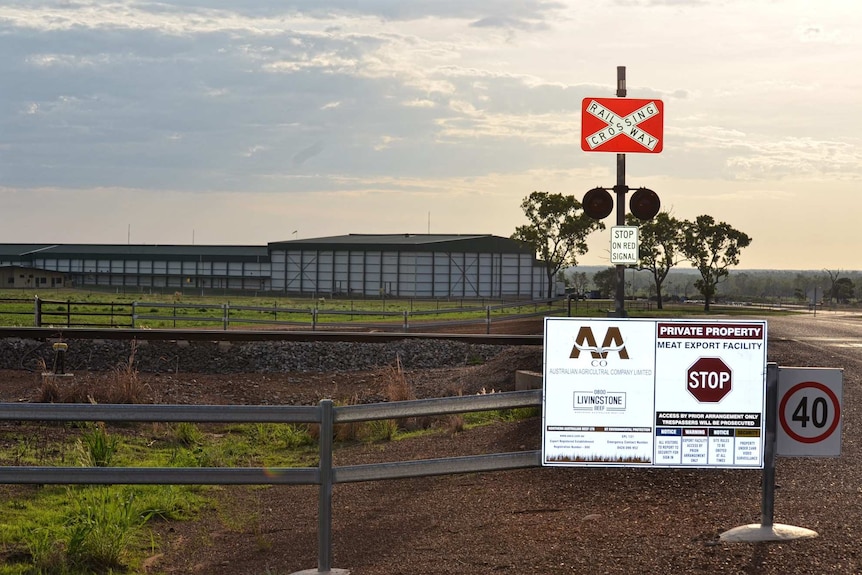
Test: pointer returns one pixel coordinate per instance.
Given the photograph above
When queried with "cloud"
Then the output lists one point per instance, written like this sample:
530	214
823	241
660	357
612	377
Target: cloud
415	97
306	154
197	93
509	22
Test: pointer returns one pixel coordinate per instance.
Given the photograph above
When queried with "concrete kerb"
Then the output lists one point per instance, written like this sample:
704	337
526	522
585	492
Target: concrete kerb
316	572
755	533
525	380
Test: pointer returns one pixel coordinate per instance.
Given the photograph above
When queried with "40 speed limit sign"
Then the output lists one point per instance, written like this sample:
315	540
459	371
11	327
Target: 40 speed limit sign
809	412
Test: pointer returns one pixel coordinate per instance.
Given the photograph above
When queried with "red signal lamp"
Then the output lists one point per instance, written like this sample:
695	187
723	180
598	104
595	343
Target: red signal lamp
598	203
644	204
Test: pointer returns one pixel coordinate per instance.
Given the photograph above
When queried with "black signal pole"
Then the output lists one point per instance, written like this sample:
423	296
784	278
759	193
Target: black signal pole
620	189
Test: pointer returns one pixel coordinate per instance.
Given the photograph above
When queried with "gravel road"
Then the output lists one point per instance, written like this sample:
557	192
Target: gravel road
613	521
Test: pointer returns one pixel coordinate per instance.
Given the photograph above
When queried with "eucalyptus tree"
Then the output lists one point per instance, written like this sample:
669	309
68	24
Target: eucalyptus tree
579	282
605	281
843	290
557	231
833	279
712	247
660	247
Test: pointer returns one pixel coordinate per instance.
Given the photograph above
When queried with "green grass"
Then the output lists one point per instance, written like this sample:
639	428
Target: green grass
167	311
164	311
480	418
97	447
86	529
103	529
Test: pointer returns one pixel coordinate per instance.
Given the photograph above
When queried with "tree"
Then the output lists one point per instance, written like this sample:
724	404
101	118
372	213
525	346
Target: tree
557	231
660	242
842	290
580	281
712	248
833	278
563	279
606	281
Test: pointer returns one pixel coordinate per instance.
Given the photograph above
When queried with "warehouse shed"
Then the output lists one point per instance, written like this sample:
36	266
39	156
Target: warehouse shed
355	265
17	277
142	267
408	265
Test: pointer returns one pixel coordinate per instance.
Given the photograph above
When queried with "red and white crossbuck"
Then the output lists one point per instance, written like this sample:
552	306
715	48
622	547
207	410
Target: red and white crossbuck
622	125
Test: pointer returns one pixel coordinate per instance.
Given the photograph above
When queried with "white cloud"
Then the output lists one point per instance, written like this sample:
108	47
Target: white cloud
426	101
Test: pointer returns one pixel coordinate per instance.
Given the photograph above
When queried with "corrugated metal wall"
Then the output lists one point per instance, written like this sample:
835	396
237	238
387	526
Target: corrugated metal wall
318	270
407	274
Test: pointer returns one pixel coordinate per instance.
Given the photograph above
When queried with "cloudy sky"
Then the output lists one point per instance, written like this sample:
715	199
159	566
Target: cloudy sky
251	121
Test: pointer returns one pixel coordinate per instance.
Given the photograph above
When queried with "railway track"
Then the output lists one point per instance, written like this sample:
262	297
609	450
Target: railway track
43	334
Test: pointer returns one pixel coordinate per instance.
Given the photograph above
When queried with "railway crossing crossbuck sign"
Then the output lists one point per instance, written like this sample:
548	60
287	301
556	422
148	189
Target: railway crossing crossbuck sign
622	125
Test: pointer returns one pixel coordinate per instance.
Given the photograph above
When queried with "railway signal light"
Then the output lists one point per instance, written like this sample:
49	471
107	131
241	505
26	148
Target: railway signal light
598	203
644	204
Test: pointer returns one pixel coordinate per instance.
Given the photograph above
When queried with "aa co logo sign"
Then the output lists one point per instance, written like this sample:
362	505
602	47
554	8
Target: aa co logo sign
586	341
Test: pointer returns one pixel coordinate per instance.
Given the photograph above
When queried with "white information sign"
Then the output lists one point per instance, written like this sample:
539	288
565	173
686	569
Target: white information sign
624	245
668	393
809	411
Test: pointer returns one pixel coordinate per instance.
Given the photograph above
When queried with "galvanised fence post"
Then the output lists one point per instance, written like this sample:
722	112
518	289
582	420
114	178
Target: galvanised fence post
767	496
324	513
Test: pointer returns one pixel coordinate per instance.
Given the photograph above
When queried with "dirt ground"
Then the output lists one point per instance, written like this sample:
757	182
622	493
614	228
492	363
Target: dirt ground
540	520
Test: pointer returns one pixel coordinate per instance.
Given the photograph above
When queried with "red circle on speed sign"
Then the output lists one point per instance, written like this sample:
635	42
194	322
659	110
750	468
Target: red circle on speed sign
709	379
818	412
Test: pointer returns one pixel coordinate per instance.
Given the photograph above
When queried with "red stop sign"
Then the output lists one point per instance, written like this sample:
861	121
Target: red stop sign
709	380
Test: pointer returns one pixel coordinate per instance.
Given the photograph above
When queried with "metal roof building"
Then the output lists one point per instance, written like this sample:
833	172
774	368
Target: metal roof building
141	267
408	265
394	265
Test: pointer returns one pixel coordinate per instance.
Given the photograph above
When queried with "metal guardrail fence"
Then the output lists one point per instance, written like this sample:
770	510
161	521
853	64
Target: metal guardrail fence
42	313
325	475
227	316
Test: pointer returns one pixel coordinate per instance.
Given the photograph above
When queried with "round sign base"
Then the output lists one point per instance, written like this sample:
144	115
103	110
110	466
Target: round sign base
756	532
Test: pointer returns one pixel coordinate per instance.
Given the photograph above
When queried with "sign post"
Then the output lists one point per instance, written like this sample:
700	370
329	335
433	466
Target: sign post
767	530
621	125
620	189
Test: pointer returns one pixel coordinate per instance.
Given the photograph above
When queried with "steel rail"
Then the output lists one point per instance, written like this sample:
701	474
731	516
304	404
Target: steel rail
64	333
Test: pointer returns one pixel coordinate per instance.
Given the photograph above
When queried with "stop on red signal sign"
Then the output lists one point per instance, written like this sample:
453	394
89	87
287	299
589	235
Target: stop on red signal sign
709	379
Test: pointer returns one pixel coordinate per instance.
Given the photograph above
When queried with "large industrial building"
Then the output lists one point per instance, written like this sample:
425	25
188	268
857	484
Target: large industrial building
355	265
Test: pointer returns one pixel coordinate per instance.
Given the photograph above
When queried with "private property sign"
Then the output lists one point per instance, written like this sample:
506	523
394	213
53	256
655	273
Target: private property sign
661	393
622	125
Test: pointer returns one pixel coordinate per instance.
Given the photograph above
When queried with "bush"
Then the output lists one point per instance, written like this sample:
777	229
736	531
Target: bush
100	527
96	447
